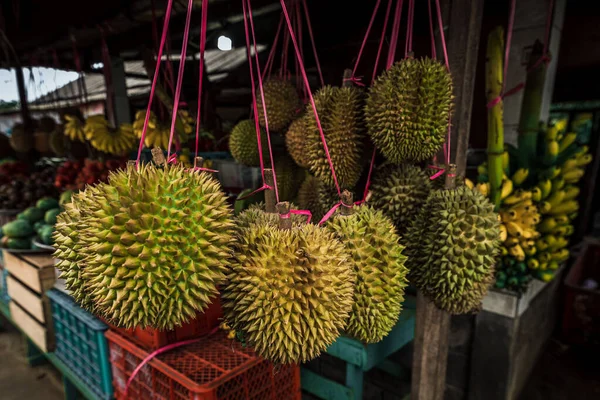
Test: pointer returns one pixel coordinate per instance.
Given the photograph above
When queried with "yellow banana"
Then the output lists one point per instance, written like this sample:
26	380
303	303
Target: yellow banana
566	207
573	175
544	207
505	161
571	192
511	241
544	257
503	251
561	219
545	187
514	229
507	188
560	255
583	160
541	244
469	183
553	265
536	194
530	251
532	263
503	233
483	188
556	198
520	175
570	163
517	252
566	141
482	169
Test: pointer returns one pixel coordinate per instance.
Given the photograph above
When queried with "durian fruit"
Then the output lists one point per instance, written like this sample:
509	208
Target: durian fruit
256	214
408	108
244	145
20	141
400	192
308	197
156	240
295	141
282	102
289	177
340	112
288	292
373	246
451	248
328	197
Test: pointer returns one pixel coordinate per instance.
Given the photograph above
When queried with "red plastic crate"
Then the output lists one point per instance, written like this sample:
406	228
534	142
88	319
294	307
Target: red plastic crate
152	339
214	368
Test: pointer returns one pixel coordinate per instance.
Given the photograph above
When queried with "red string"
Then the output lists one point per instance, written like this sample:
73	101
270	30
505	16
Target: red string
298	212
368	184
160	351
354	79
310	96
296	27
445	50
409	28
262	96
381	40
186	32
395	34
201	73
155	78
312	41
284	54
269	64
169	75
433	52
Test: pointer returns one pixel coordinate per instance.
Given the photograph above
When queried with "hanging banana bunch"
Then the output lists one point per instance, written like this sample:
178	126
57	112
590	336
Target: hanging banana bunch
74	128
157	133
103	137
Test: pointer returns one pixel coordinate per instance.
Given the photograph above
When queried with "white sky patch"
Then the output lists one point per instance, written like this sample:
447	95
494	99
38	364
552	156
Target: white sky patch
44	80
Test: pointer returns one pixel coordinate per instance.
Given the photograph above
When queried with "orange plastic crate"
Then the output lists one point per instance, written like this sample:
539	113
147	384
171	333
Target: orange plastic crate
152	339
214	368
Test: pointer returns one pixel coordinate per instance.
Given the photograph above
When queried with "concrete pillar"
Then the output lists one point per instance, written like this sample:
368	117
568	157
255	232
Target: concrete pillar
530	24
121	113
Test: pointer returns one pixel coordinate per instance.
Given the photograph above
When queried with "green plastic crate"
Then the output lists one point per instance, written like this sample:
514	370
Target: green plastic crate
4	298
81	344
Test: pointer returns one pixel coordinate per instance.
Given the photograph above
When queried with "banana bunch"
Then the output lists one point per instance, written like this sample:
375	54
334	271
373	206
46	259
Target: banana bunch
106	139
157	134
74	128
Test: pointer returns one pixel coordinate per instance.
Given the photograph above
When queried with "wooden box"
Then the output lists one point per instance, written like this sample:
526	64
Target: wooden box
36	305
36	271
42	336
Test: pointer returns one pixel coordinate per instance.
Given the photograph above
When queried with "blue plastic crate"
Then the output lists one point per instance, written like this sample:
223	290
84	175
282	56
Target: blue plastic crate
81	344
4	298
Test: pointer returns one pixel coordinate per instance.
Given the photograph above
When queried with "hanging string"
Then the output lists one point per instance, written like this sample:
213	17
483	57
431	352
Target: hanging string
395	34
269	63
201	72
248	8
409	28
433	52
186	33
543	59
445	51
353	78
382	39
312	41
155	78
284	55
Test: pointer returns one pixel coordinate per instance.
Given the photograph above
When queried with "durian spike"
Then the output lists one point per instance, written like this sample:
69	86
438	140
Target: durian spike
270	199
346	82
131	163
198	162
450	176
347	203
158	156
285	222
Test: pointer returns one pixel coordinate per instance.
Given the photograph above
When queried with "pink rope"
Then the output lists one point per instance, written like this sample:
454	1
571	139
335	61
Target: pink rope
368	184
433	52
312	41
409	28
160	351
445	50
395	34
381	40
364	42
311	98
186	33
298	212
262	96
269	64
201	73
284	54
155	78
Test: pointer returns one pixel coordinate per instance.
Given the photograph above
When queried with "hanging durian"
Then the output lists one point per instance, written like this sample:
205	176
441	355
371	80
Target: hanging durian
400	192
289	177
408	108
243	144
373	246
340	113
156	242
288	292
451	248
295	141
308	197
282	103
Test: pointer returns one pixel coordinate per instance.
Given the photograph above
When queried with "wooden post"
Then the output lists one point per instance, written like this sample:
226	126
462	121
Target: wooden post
270	199
347	200
285	222
198	162
158	156
346	80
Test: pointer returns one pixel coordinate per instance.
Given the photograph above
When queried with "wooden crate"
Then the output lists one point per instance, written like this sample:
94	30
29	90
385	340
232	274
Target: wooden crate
39	334
36	271
36	305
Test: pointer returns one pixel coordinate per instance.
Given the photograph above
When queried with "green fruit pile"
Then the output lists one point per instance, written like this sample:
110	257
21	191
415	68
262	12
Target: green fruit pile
34	221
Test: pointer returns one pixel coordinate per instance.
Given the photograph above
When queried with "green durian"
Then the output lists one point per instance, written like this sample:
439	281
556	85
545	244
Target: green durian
243	144
400	192
295	141
452	247
289	177
288	293
408	108
373	246
340	112
155	243
308	198
256	214
282	103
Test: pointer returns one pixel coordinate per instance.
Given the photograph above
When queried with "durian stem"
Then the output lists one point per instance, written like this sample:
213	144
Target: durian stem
269	193
285	222
450	177
198	162
531	108
346	82
158	156
347	203
493	86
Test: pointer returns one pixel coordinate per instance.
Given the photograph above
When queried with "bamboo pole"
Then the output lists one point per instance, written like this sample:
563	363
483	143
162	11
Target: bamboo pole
270	200
285	222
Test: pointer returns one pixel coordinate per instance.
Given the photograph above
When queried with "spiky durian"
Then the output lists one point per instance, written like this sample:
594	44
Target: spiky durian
340	113
256	214
408	108
295	141
289	177
308	197
328	197
243	144
373	246
156	244
282	102
400	192
451	248
288	292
